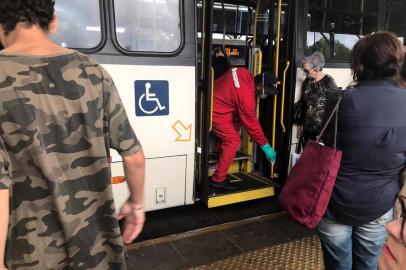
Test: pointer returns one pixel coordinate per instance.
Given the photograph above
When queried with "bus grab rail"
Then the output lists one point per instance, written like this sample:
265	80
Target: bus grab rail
257	63
257	70
276	68
283	96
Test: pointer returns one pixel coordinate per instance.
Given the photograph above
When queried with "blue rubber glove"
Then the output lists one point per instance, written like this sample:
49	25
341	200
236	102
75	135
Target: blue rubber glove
269	152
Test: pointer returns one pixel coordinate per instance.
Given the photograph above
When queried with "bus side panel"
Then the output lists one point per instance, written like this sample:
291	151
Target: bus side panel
161	191
163	137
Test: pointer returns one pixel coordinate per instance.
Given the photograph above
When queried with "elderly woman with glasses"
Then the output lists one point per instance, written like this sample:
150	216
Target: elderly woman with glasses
315	90
393	255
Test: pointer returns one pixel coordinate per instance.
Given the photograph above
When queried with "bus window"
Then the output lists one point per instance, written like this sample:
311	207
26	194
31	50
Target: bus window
148	26
395	21
334	26
79	24
237	19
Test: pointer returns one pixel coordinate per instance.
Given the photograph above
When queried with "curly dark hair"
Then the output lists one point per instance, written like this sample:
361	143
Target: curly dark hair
376	57
29	12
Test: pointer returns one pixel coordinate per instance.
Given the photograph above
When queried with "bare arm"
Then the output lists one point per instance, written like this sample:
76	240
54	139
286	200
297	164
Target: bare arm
133	210
120	130
4	219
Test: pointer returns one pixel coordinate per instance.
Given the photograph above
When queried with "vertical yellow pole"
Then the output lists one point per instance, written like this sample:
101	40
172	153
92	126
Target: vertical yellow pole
276	68
246	142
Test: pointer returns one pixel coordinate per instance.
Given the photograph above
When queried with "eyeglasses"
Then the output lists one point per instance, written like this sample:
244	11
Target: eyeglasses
307	71
402	200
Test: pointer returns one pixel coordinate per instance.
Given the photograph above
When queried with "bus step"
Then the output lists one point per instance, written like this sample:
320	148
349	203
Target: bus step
250	187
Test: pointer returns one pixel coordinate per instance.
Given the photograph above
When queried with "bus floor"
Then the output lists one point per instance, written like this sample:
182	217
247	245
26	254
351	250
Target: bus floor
271	241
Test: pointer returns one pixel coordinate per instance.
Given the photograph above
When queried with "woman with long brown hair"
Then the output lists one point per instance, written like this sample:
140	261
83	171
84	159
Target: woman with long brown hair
371	134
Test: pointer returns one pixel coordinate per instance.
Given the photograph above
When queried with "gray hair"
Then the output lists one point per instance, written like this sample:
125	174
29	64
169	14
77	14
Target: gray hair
316	60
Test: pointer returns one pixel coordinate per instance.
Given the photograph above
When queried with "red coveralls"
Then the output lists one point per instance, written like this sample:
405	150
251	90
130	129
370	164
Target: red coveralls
233	105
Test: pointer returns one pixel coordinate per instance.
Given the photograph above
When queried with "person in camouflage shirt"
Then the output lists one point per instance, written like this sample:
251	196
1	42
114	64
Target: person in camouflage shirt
315	90
59	114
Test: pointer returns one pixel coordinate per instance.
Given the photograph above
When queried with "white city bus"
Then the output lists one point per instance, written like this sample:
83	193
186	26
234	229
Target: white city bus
159	55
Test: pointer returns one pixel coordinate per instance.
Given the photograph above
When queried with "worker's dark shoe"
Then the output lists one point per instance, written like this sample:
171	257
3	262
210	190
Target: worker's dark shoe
226	184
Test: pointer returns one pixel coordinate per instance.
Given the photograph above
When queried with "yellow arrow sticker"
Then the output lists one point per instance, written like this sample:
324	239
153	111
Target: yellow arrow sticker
184	132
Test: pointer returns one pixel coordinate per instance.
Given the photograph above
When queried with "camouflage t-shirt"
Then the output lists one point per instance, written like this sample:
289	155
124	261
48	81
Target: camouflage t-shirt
56	115
314	98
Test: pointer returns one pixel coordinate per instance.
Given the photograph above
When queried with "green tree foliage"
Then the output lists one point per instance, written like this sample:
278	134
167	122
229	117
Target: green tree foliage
340	50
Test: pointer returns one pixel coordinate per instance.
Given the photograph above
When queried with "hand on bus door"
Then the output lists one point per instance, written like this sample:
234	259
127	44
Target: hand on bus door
269	152
134	218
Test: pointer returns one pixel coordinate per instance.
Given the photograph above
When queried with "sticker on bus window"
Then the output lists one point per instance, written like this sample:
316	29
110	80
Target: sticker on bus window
151	98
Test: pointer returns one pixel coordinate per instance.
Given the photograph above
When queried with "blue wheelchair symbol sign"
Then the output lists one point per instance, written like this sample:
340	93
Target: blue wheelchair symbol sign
151	98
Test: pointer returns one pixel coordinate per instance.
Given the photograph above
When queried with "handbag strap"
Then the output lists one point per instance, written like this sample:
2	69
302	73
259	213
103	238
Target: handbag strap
300	144
329	119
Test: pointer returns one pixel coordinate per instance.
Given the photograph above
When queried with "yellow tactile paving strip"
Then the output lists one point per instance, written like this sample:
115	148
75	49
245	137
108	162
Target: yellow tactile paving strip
302	254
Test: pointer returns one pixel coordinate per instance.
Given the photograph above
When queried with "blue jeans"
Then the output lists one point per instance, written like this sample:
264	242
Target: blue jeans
352	247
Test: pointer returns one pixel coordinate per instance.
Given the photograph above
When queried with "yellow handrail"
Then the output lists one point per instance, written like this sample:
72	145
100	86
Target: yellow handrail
257	63
257	70
283	96
276	69
256	22
211	99
247	142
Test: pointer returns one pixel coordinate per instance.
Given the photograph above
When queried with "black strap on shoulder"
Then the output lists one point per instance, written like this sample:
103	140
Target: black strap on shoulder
335	110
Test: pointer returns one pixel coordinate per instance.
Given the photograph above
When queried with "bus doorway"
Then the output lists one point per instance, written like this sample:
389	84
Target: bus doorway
246	32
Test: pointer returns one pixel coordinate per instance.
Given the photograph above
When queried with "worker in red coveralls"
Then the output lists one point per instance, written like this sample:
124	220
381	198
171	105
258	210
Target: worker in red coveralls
234	96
